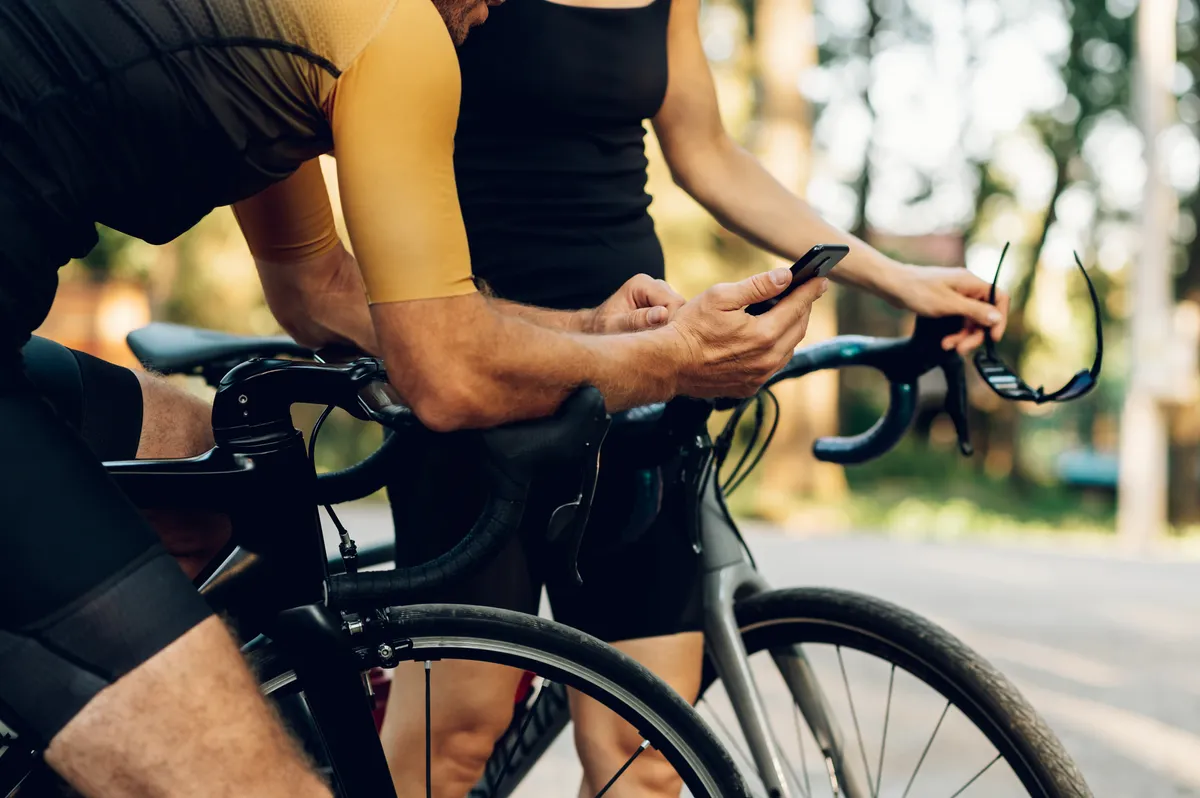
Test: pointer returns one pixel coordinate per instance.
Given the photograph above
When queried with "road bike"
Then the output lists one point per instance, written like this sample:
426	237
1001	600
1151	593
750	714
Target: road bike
781	666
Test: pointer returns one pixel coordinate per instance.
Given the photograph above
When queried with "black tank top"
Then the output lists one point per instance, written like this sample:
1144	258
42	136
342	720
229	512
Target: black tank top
550	156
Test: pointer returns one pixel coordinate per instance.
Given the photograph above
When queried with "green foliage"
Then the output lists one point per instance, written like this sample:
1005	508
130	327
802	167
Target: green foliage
109	257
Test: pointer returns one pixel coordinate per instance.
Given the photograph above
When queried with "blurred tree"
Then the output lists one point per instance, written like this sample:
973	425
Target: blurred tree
1185	424
785	47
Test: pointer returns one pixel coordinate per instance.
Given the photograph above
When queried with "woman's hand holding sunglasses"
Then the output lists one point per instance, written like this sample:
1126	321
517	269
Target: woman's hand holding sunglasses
936	291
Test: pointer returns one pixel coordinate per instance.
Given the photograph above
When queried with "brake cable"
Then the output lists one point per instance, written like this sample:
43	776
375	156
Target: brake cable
346	547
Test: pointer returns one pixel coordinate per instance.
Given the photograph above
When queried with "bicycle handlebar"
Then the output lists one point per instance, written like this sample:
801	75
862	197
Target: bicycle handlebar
513	456
253	400
258	393
903	361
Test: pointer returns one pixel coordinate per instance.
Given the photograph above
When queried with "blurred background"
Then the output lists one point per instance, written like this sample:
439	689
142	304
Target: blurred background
937	130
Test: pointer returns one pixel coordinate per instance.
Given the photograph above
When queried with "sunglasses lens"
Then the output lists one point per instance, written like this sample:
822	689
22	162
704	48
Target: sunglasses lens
1079	385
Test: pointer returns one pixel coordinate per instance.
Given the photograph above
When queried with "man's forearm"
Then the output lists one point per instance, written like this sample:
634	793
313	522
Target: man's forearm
319	300
576	321
465	364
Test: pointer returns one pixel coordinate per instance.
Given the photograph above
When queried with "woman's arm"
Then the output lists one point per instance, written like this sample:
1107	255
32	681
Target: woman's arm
739	192
730	182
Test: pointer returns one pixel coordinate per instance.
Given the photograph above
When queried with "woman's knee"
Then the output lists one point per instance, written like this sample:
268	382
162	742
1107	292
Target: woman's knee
604	750
470	712
465	750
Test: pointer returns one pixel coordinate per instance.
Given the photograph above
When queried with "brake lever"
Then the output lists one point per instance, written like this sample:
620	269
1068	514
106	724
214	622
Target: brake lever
568	522
956	401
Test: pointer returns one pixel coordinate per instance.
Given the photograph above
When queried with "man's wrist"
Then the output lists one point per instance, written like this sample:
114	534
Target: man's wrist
674	357
587	321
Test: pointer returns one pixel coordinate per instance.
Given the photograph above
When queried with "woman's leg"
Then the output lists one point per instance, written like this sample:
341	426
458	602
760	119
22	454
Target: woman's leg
605	741
434	499
641	594
471	705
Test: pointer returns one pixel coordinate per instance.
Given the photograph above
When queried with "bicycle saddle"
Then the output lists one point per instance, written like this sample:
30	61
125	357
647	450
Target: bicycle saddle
178	349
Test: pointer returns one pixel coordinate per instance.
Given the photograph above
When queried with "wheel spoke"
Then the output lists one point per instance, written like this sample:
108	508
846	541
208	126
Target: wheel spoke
428	735
862	749
974	778
887	714
928	745
733	745
529	715
800	743
645	744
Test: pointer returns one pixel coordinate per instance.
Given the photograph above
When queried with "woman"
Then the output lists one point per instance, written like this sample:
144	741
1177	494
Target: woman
551	173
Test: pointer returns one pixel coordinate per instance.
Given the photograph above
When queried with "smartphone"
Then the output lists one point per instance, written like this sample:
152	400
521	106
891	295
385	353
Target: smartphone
817	262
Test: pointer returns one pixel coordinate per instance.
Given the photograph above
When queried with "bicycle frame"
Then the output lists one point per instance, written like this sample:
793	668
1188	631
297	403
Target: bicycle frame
288	568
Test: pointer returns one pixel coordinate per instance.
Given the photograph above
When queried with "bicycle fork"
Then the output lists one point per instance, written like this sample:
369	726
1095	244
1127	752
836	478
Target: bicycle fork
729	577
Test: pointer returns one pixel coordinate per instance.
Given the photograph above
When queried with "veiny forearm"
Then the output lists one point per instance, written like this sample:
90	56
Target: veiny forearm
462	364
745	198
319	300
576	321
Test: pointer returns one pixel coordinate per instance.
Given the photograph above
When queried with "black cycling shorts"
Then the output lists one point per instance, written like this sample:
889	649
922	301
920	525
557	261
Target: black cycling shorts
87	593
641	573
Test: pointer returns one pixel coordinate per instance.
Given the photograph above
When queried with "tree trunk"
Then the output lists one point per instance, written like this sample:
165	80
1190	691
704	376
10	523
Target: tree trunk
1184	476
785	46
1142	490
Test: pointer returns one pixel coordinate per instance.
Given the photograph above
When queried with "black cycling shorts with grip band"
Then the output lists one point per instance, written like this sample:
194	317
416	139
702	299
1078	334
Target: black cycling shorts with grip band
99	400
87	593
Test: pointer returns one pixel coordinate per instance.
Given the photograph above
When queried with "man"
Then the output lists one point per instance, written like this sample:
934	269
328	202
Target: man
146	114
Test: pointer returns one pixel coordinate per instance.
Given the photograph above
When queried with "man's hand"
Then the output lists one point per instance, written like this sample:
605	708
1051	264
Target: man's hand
939	291
728	352
641	304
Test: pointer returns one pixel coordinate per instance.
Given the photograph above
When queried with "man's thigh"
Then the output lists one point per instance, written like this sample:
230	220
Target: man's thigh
86	591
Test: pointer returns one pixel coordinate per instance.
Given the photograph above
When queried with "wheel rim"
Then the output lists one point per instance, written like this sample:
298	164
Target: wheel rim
656	731
838	652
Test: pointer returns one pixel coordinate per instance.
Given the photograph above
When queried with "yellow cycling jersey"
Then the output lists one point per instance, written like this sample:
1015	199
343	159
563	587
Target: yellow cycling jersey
144	115
393	112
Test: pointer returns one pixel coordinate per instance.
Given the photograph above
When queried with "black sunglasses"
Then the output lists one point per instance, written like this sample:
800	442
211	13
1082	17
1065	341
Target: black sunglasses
1004	381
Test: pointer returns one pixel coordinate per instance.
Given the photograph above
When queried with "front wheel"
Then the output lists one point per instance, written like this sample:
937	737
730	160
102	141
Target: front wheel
914	710
557	657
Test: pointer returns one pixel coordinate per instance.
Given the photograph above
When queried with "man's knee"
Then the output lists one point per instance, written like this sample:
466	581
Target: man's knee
175	423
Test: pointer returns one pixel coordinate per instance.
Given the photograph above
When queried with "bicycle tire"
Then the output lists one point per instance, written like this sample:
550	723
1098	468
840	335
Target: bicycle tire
989	700
570	657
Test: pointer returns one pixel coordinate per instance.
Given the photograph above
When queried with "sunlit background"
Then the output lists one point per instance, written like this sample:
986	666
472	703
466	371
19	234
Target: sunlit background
938	130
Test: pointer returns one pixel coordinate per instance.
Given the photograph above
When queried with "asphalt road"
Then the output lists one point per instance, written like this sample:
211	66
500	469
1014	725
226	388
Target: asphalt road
1106	646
